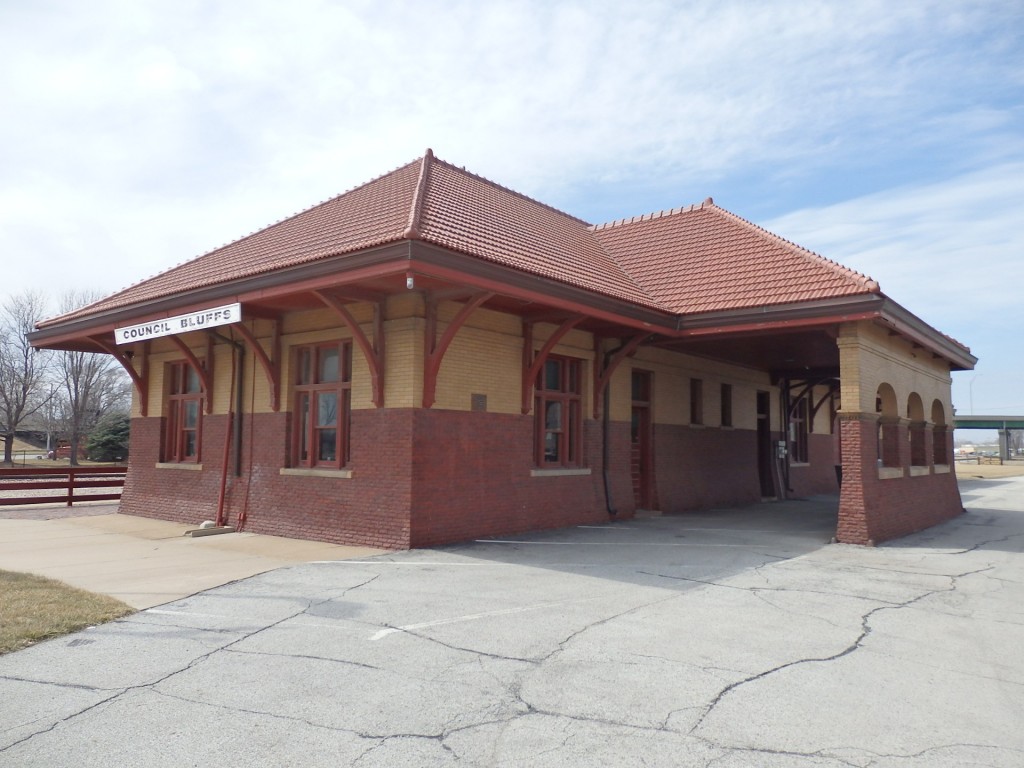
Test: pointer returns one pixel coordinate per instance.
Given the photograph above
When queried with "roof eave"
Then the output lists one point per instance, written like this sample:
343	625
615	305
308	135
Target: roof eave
393	258
378	261
909	325
797	314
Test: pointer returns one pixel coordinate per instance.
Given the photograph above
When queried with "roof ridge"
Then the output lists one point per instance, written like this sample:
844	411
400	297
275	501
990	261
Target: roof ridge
412	232
868	282
651	216
496	185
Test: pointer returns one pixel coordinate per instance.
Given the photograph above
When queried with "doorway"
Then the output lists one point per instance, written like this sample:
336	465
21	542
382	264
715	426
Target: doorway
640	441
765	454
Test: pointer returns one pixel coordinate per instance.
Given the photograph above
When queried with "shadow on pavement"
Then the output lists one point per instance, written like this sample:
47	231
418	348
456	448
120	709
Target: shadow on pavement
679	551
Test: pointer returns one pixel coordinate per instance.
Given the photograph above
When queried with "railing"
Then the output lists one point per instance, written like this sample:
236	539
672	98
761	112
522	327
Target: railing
978	459
27	485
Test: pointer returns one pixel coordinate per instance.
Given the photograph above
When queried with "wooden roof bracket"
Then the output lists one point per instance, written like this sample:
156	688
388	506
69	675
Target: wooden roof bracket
140	378
271	363
532	367
202	371
628	348
833	387
373	350
434	348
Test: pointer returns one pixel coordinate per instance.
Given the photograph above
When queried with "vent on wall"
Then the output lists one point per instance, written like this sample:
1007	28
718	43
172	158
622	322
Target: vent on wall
478	402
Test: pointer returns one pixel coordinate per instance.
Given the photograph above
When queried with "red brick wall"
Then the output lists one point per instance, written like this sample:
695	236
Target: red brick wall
371	508
471	478
872	510
819	475
424	477
697	468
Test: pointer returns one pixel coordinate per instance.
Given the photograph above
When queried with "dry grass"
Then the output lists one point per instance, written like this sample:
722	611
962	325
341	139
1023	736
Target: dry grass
967	470
33	608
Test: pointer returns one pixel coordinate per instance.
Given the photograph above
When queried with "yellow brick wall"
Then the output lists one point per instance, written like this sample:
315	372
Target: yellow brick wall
673	372
870	356
485	357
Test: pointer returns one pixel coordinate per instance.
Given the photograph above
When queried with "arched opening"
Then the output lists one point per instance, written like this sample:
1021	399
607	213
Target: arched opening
888	426
940	434
918	447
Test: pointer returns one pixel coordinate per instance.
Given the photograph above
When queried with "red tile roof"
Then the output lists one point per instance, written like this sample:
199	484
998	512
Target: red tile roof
683	261
466	213
705	259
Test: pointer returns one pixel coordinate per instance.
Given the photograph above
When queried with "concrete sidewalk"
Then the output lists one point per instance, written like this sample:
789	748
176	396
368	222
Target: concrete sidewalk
722	640
147	562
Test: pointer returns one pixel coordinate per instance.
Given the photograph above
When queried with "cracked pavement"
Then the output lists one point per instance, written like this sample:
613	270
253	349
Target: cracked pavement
726	639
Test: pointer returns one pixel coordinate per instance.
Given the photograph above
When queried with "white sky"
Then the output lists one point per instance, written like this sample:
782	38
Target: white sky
889	136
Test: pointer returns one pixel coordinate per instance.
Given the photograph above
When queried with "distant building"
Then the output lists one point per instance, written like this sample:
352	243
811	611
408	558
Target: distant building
432	357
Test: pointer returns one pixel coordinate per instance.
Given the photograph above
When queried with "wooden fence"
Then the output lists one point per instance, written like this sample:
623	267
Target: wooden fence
30	485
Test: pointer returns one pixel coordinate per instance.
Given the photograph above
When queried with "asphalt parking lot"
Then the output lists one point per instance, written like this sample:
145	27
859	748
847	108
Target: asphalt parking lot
740	638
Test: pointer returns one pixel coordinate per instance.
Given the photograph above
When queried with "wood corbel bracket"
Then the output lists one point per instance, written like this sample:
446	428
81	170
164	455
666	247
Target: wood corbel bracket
373	350
626	350
202	371
140	378
434	348
271	364
815	407
532	367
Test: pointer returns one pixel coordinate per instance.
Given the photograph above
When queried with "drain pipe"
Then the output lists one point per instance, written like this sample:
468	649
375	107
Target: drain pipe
233	433
224	456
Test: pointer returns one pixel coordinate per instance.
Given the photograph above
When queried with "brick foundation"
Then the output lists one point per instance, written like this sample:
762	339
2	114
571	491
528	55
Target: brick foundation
819	475
699	468
872	509
427	477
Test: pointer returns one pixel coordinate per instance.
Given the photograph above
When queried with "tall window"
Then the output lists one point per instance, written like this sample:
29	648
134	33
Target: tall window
322	385
726	405
184	413
798	430
558	413
696	401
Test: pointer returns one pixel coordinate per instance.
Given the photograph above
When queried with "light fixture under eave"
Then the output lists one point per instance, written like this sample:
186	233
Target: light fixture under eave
410	282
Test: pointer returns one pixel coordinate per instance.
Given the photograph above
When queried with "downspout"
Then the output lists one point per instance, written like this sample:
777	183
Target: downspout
227	446
239	401
233	432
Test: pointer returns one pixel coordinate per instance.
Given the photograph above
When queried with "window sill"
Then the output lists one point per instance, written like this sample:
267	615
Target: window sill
565	472
337	474
798	464
179	465
919	471
941	469
889	473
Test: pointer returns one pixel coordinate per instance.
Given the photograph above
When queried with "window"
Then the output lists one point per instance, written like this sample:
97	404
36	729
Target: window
727	405
696	401
322	384
184	413
558	413
798	427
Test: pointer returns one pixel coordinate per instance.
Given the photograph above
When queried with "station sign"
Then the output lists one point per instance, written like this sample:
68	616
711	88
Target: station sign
168	326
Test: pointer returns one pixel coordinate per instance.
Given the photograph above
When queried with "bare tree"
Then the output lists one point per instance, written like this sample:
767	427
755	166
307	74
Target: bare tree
22	369
91	383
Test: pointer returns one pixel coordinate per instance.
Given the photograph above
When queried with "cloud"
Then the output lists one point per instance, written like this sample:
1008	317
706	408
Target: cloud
946	248
149	133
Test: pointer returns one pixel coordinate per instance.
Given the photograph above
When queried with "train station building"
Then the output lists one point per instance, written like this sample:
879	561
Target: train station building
432	357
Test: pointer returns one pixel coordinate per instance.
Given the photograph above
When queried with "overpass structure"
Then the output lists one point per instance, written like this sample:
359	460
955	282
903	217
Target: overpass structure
1004	424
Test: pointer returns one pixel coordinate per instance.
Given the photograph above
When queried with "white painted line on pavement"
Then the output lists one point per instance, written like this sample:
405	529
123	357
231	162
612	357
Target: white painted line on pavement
387	562
701	544
475	616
